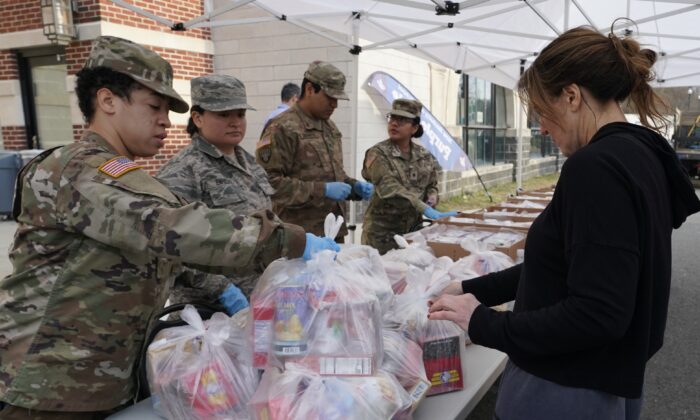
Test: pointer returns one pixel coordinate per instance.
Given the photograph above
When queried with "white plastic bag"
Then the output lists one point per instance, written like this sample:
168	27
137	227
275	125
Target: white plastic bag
200	370
482	259
416	254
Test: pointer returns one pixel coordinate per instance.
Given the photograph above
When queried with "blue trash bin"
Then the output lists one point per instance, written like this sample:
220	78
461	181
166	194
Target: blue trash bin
10	164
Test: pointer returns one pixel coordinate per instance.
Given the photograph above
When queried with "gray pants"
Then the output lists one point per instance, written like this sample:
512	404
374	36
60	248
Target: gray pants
522	396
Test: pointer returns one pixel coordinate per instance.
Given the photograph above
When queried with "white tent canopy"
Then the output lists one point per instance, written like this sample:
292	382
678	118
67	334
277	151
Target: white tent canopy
491	39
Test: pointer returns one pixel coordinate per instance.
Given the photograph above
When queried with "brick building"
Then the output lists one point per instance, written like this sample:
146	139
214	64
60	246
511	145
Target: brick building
38	108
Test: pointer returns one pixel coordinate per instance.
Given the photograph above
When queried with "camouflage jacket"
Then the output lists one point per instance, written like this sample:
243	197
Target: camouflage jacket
200	172
402	187
301	154
93	256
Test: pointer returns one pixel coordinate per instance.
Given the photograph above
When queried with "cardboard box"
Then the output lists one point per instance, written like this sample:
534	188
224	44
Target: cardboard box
526	213
478	221
455	251
534	199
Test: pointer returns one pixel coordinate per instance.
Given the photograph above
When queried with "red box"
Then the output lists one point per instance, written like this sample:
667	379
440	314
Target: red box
443	365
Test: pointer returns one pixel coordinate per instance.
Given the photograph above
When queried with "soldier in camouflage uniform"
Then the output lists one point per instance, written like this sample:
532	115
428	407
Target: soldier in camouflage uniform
302	153
215	170
99	240
405	176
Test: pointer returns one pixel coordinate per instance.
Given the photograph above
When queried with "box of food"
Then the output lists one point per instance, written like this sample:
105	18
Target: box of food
443	365
507	241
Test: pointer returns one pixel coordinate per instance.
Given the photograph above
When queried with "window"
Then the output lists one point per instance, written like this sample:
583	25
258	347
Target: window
486	117
45	97
540	145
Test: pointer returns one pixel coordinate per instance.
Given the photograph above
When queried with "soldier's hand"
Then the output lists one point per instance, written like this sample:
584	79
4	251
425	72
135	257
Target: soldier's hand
364	189
337	190
314	244
233	300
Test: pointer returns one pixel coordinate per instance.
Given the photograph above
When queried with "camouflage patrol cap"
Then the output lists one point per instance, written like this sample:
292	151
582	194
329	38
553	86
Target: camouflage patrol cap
218	92
406	108
326	75
138	62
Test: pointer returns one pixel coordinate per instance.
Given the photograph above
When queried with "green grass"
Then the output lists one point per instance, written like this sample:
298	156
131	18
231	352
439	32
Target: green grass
478	199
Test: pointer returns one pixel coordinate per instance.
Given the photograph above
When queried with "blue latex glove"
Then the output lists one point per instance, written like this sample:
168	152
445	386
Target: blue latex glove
337	190
315	244
233	300
431	213
364	189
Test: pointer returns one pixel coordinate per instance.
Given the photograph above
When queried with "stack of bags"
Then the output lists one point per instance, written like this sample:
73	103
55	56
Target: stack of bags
343	336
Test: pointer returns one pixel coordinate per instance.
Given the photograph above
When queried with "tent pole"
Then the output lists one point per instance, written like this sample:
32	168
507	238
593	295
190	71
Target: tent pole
354	95
567	7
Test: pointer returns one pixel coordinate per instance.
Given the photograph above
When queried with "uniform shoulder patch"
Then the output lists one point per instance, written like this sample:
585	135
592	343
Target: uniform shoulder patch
118	166
370	156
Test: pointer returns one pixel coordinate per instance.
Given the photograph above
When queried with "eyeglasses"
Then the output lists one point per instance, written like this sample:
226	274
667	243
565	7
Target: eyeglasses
398	120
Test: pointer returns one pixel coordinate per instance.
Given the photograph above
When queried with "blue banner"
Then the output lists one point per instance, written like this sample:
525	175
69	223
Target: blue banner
435	137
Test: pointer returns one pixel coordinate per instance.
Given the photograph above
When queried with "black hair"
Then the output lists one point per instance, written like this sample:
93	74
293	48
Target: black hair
419	132
192	128
89	81
289	91
316	87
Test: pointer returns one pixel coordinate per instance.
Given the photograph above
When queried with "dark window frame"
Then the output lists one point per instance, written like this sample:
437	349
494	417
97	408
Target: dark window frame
27	91
496	127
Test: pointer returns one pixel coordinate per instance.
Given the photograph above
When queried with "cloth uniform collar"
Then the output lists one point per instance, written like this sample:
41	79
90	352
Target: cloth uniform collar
309	121
209	149
90	136
415	152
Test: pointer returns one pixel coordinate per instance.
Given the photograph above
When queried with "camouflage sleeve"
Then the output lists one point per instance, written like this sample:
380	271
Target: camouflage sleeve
431	190
377	170
198	285
275	152
130	217
182	180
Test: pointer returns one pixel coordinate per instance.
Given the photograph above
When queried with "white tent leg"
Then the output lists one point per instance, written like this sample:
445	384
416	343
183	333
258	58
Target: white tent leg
354	95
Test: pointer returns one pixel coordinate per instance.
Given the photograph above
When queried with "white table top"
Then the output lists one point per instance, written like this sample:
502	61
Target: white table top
480	367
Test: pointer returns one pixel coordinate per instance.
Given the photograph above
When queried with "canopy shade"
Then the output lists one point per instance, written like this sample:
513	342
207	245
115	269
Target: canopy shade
491	39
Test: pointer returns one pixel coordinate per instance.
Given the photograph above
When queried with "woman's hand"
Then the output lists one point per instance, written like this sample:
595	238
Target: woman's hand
458	309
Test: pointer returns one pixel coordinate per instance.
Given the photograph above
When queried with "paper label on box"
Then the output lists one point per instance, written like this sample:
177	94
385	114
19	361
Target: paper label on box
361	366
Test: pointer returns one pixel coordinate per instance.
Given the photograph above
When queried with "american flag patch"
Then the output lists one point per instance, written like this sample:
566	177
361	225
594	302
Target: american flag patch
118	166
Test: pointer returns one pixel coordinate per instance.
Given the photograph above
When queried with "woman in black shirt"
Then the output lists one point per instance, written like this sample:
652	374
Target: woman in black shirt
591	296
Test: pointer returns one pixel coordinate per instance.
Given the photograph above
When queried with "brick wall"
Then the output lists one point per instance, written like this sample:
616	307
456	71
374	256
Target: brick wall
8	65
23	15
19	15
177	139
14	137
173	10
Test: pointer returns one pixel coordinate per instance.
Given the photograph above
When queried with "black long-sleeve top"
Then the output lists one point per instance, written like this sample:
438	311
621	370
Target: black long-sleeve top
591	296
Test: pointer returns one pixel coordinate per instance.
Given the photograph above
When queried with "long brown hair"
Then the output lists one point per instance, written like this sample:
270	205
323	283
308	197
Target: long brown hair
610	67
